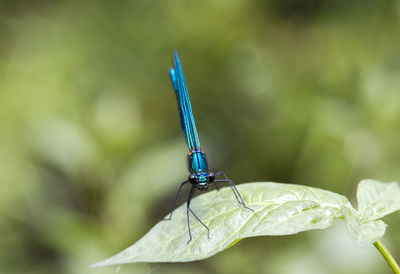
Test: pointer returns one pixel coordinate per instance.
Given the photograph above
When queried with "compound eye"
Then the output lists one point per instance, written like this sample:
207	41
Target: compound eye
211	177
192	179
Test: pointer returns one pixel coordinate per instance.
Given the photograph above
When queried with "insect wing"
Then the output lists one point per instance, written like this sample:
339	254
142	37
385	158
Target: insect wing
185	109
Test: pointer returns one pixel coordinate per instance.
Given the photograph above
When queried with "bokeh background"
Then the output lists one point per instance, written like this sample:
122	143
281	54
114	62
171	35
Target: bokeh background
91	152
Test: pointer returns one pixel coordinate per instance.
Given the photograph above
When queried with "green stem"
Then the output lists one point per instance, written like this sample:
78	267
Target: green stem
388	257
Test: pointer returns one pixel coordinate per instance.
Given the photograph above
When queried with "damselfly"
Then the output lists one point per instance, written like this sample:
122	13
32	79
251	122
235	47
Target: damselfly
200	178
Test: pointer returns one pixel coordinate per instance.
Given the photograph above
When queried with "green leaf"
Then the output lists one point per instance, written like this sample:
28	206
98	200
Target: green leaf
375	200
280	209
362	232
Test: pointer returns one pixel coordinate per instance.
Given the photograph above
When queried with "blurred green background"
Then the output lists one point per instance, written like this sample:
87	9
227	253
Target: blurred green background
91	152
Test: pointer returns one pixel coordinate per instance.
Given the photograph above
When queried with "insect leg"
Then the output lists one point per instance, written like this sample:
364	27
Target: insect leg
187	211
191	194
176	198
216	186
234	189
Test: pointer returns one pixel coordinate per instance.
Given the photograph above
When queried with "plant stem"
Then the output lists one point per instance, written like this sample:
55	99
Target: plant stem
388	257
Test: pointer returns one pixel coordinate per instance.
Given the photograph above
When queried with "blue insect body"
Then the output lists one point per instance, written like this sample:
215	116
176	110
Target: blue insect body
200	177
197	160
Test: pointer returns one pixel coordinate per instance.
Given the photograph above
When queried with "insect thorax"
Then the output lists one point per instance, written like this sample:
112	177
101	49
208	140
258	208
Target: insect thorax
197	162
202	178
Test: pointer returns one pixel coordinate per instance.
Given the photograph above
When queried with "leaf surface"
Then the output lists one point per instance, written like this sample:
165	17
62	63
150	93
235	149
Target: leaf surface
279	209
375	200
